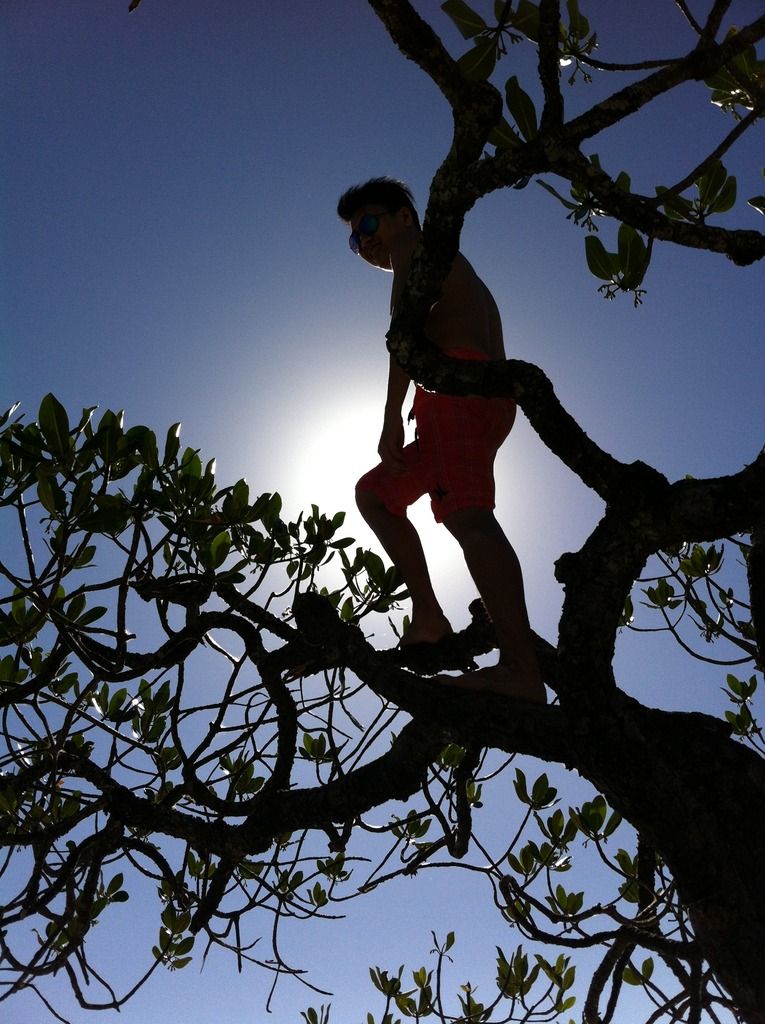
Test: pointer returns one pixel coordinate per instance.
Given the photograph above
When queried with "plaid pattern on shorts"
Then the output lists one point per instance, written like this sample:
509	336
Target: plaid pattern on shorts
452	459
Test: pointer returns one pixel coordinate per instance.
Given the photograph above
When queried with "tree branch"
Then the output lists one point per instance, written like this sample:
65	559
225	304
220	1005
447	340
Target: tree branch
756	577
700	63
477	106
713	22
717	154
742	247
533	391
549	76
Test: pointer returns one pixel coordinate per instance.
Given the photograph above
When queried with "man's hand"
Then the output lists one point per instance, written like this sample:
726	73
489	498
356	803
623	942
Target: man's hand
391	446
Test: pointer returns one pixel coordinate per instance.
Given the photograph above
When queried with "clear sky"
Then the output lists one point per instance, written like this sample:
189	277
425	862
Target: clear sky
170	246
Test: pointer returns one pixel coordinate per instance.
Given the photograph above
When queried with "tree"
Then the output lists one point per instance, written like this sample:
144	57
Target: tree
138	579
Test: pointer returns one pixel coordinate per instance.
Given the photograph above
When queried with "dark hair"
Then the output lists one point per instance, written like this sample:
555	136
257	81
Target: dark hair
387	192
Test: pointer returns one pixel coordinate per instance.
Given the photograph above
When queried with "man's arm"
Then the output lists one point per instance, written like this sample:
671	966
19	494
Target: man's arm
392	437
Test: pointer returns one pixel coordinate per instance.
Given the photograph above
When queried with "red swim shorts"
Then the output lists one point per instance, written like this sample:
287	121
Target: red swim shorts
452	459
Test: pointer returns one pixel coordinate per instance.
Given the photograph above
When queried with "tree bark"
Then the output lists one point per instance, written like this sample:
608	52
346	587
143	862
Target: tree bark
699	796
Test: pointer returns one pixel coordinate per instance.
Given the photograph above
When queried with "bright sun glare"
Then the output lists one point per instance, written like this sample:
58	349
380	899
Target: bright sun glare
329	450
332	440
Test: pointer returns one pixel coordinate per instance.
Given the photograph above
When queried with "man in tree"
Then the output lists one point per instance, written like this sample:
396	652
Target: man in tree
452	458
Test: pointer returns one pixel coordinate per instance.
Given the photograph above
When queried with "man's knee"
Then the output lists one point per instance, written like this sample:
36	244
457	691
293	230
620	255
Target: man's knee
364	499
367	501
465	522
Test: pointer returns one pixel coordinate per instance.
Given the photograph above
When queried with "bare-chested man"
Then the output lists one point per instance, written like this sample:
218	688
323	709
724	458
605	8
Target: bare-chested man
453	457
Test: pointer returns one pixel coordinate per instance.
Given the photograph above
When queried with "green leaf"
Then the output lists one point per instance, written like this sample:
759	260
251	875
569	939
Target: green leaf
542	793
220	546
628	613
452	755
76	607
599	262
184	946
468	21
757	203
502	136
520	786
82	493
526	20
8	413
115	885
48	492
375	568
54	424
675	207
631	977
709	184
633	256
191	464
725	198
237	502
579	26
478	63
91	615
270	514
735	685
145	443
612	824
172	444
115	706
86	556
108	435
420	977
521	107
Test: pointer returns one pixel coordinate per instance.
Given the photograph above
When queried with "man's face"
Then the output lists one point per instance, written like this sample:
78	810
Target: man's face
376	230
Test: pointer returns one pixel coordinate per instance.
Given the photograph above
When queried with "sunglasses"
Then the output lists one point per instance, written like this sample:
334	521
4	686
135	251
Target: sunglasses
368	226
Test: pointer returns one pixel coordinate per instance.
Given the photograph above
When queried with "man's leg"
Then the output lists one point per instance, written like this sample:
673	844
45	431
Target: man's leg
496	571
402	545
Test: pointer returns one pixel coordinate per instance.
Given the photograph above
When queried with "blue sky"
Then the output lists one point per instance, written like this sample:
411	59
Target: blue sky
170	247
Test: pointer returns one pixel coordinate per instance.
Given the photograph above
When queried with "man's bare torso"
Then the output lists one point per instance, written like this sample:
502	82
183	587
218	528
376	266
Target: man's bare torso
466	315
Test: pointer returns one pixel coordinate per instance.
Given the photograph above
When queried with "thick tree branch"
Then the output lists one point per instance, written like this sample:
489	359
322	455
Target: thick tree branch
533	391
549	76
479	719
756	577
742	247
703	510
640	523
477	106
713	22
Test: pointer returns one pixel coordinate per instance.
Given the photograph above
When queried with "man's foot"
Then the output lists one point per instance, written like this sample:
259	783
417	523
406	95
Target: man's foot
501	680
426	631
